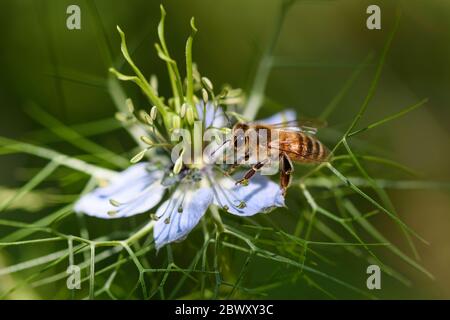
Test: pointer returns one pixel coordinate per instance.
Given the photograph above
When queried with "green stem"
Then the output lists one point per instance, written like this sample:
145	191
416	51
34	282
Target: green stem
145	86
375	80
189	72
172	68
58	158
217	219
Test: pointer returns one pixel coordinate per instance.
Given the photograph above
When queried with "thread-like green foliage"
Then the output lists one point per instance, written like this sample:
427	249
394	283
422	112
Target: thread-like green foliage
213	262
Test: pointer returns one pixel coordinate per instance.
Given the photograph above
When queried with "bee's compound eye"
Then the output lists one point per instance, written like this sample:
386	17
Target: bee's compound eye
236	142
240	140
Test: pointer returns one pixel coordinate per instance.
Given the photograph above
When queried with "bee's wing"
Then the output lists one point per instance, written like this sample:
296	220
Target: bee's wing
302	125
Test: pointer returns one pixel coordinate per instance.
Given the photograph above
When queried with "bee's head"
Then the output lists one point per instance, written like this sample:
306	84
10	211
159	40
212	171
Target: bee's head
239	132
237	136
240	126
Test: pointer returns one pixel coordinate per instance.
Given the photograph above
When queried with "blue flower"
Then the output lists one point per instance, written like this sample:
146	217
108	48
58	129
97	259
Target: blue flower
140	188
133	191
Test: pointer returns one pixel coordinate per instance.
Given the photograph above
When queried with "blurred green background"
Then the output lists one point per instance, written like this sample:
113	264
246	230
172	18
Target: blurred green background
321	44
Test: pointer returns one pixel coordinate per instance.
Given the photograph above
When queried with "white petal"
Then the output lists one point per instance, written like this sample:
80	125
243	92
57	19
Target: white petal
136	189
281	117
180	214
260	195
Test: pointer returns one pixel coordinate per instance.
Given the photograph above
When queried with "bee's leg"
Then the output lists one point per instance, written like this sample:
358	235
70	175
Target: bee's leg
286	170
237	164
233	167
250	173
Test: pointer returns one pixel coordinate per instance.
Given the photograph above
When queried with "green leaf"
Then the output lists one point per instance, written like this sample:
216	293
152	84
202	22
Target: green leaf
172	68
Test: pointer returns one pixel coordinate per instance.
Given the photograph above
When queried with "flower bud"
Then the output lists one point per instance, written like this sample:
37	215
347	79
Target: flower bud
153	113
112	213
154	217
147	118
205	95
146	140
114	203
139	156
130	105
122	117
183	110
190	115
154	82
178	164
242	205
207	84
176	122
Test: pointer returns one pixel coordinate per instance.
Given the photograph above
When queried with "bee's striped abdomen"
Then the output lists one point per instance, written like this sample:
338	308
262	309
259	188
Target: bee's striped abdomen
311	149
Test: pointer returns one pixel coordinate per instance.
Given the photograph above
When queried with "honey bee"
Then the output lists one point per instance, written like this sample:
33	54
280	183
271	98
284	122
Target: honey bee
294	142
